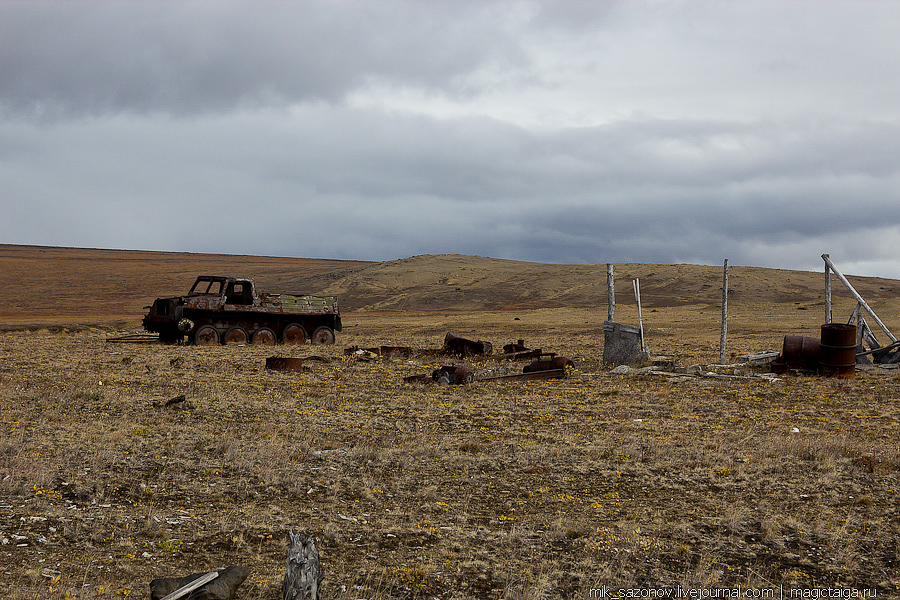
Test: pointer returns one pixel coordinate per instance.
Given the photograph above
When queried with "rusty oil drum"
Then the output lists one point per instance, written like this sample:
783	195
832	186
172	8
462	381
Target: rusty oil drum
838	354
800	352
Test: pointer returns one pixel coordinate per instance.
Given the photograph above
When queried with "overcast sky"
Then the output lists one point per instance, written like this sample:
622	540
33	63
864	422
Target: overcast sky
560	131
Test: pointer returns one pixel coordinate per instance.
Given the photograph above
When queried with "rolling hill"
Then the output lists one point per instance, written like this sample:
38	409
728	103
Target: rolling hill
45	286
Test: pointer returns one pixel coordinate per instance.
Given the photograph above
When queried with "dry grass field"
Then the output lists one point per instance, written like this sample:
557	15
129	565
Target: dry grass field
541	489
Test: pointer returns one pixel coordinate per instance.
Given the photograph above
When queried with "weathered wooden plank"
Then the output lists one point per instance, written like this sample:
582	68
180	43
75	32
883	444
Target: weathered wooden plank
187	589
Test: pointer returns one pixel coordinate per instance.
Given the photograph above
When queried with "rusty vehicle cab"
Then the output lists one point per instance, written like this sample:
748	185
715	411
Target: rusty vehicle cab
228	310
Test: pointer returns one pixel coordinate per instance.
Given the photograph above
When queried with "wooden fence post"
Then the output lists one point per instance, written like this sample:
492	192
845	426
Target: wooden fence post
724	336
827	289
610	293
637	296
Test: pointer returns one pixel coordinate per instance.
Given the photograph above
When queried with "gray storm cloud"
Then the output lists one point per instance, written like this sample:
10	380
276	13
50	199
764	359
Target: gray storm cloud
556	132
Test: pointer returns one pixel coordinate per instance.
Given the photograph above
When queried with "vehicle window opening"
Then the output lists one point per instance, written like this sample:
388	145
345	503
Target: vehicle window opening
238	293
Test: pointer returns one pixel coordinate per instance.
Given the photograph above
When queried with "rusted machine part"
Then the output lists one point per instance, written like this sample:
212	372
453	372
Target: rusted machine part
236	335
837	356
455	344
551	374
519	351
282	363
524	355
264	336
516	347
549	364
206	336
322	335
450	374
798	352
294	334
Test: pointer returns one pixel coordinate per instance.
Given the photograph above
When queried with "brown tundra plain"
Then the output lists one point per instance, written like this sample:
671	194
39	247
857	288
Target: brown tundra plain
598	483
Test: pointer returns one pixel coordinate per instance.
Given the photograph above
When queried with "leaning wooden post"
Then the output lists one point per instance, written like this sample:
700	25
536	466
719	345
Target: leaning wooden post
637	296
859	298
827	289
610	293
724	336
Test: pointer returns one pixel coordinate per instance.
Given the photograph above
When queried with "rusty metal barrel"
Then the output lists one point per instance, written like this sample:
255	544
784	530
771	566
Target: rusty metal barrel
838	350
800	352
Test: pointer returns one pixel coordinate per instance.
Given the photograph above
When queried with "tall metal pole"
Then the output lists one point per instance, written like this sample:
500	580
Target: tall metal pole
723	339
610	293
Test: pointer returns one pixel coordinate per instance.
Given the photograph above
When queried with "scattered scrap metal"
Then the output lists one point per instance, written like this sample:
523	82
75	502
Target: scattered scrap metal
452	374
518	351
552	363
454	344
546	365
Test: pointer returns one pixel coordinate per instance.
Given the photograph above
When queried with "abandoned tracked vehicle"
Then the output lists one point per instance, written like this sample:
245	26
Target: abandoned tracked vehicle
228	310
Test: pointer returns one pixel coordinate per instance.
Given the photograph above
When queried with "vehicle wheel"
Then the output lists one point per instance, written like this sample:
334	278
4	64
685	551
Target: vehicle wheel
206	336
264	336
294	334
323	335
236	335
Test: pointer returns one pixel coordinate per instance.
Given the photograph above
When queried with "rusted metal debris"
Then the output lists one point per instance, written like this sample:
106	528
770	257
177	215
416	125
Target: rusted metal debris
518	351
798	352
281	363
445	375
551	368
454	344
549	364
449	374
515	347
543	368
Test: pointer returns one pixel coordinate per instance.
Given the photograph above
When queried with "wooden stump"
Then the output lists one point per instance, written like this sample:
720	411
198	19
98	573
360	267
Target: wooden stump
302	577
